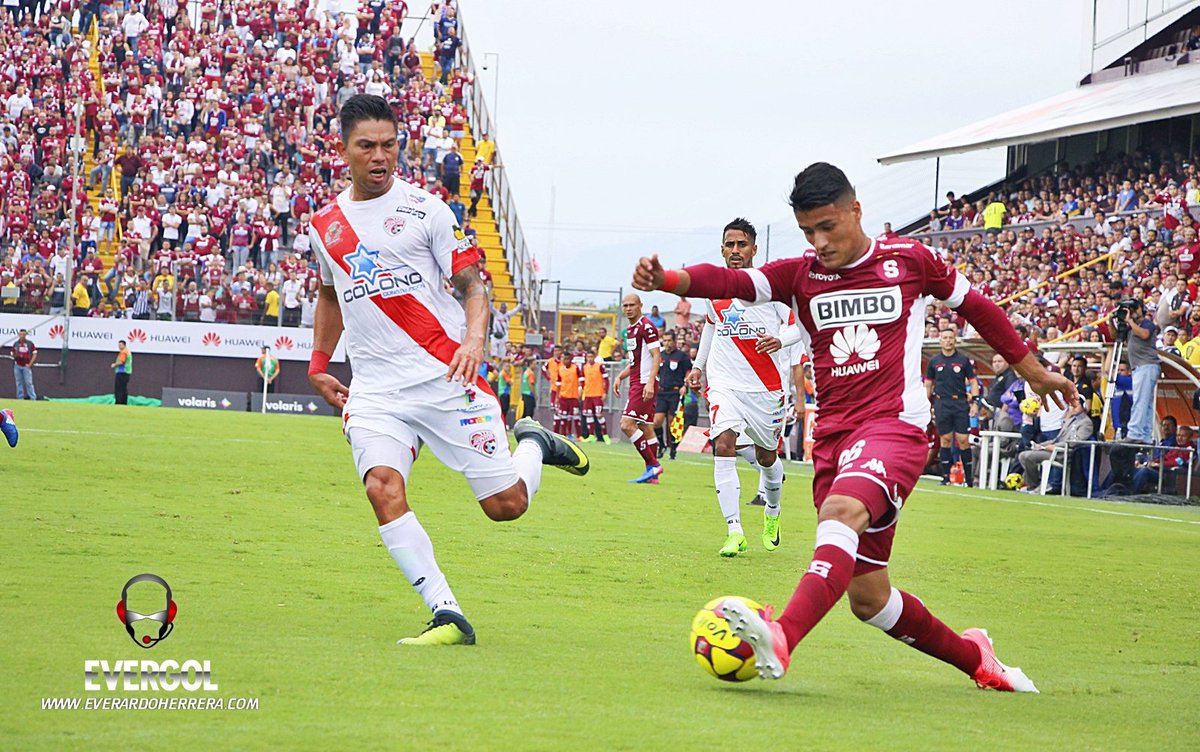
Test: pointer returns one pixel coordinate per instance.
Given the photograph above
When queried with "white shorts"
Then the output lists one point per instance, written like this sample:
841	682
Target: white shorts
461	425
756	415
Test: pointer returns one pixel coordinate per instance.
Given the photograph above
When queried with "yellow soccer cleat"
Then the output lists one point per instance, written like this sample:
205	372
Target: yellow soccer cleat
446	628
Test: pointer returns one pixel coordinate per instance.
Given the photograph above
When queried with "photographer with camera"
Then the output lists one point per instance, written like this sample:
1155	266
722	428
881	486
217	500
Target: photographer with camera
1130	318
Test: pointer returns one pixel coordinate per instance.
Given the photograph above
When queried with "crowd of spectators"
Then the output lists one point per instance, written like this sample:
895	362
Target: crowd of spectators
211	141
1132	217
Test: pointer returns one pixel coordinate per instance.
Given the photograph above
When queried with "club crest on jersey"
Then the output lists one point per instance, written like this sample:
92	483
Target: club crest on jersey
333	234
394	225
368	278
732	325
851	307
484	442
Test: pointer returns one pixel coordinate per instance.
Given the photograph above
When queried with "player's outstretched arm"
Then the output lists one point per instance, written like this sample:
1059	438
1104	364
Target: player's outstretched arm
327	330
716	282
990	321
465	364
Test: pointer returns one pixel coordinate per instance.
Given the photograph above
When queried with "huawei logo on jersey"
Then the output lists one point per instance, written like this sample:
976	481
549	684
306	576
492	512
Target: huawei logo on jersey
850	307
861	341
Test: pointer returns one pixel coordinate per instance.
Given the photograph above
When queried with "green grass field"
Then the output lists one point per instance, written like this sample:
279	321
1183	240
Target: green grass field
582	607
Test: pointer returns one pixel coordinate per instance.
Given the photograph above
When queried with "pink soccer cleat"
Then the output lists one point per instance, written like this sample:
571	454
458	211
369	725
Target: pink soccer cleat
771	655
992	674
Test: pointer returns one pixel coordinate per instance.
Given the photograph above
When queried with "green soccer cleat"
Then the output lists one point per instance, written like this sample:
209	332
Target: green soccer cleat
735	544
770	537
446	628
557	450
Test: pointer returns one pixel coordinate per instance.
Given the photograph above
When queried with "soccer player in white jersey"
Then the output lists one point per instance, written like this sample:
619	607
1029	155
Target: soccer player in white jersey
745	394
384	248
861	306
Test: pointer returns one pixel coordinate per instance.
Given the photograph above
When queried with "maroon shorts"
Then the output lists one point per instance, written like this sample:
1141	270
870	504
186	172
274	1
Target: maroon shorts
593	405
877	463
641	410
568	405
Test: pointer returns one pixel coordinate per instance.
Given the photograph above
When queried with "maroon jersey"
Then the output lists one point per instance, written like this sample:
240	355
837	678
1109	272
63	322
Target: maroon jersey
641	340
863	324
23	352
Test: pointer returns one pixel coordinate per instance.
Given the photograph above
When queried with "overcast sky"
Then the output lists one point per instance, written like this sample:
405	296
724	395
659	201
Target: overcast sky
656	123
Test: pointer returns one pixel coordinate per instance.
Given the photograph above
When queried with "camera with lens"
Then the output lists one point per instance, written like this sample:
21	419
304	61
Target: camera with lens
1121	316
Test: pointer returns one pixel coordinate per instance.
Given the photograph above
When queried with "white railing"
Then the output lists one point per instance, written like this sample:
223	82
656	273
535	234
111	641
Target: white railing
520	260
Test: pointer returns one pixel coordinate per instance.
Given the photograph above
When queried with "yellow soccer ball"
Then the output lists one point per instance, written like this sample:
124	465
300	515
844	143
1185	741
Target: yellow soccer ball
1031	405
717	649
1014	481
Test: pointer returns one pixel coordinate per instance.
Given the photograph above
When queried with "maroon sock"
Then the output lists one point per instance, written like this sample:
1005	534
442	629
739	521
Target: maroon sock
925	632
821	586
647	450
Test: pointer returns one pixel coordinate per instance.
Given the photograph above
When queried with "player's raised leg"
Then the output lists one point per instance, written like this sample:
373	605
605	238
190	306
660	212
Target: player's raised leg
904	617
8	426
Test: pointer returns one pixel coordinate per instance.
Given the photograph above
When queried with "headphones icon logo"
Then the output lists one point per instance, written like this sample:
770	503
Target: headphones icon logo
165	617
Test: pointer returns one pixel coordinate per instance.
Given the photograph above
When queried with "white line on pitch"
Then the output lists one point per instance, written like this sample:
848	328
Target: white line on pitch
978	495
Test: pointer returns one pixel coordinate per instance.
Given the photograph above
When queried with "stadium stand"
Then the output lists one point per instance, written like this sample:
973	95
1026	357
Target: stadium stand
207	142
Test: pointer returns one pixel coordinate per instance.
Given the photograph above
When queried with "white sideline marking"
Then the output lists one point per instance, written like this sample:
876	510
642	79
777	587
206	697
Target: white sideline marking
792	465
119	433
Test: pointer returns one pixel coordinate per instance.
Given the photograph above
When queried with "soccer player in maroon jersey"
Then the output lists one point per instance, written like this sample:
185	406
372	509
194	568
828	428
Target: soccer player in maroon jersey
861	305
645	356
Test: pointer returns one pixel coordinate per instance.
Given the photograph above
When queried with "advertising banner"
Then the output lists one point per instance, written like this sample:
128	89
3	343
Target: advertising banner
206	399
294	404
163	337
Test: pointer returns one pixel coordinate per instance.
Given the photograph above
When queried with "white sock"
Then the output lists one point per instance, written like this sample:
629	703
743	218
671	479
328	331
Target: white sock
729	491
770	480
527	458
410	546
834	533
890	614
750	455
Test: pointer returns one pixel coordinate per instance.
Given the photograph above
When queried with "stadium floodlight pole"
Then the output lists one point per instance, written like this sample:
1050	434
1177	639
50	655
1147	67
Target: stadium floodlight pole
69	282
495	89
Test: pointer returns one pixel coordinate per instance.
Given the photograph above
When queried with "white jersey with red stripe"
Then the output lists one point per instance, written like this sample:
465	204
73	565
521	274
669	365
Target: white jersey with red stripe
733	362
387	258
864	325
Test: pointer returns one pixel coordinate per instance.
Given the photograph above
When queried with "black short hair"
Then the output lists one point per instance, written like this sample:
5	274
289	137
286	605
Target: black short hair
742	224
819	184
363	107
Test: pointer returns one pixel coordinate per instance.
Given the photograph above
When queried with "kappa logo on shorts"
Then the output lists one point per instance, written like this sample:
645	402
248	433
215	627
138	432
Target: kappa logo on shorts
484	442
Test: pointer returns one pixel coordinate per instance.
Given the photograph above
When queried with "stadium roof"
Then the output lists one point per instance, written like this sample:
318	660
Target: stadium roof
1136	99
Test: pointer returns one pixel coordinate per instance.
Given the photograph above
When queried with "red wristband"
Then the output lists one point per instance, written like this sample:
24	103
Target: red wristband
670	280
319	362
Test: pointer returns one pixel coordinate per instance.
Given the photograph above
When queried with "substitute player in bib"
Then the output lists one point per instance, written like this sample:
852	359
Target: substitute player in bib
569	383
745	393
595	386
383	248
645	357
861	304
